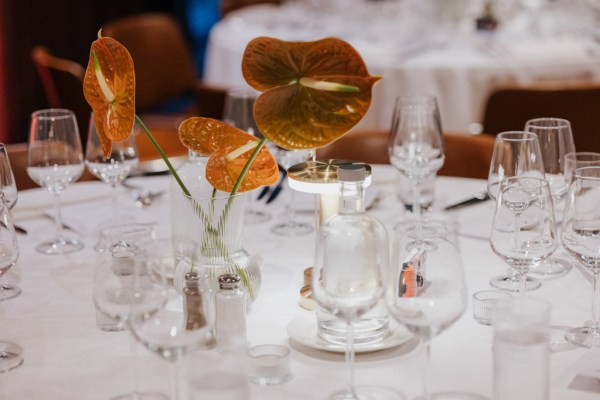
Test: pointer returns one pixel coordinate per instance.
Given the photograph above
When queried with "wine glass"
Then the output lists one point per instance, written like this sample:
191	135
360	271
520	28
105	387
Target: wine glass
54	161
523	228
122	281
426	291
417	143
581	237
348	280
239	112
10	353
113	169
165	331
556	140
8	186
578	160
286	159
516	153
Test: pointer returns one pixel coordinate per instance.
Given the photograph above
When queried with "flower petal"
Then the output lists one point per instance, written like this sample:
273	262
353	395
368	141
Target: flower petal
114	117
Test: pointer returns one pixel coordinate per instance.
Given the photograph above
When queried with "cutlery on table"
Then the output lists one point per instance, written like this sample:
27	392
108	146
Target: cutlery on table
475	199
277	189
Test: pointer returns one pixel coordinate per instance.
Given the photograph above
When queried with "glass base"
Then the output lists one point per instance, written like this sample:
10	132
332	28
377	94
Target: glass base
60	245
9	291
453	396
142	396
10	356
510	283
584	336
551	269
256	217
368	393
292	229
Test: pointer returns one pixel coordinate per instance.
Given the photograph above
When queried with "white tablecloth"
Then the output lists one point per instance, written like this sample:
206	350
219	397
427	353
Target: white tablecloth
67	357
461	68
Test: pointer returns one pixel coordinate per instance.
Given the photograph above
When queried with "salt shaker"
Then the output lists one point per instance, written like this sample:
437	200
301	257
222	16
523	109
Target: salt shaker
194	308
231	315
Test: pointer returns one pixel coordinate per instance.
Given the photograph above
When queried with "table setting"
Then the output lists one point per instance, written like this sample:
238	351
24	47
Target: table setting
181	299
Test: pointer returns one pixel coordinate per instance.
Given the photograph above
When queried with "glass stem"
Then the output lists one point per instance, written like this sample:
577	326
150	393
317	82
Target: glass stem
57	216
289	208
416	206
595	325
427	370
175	379
114	202
350	359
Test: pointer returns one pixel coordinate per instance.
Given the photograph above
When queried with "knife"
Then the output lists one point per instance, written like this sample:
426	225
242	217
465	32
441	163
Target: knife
277	188
476	199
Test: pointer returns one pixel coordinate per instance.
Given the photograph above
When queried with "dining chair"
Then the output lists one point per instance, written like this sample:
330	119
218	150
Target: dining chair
62	82
508	108
467	156
165	73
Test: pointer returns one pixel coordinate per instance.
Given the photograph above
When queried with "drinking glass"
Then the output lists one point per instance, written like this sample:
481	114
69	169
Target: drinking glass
556	140
287	158
417	143
121	282
426	292
54	161
8	186
581	237
113	169
577	160
164	331
523	228
516	153
10	353
351	262
239	112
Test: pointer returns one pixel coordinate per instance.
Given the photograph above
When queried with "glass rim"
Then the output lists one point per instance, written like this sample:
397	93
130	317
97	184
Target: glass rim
516	136
511	181
53	113
573	156
578	173
219	196
561	123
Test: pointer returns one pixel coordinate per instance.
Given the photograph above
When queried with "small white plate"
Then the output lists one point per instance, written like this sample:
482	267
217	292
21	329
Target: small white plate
303	329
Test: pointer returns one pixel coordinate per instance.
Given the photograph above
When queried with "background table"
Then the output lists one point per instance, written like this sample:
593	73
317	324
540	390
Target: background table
416	53
67	357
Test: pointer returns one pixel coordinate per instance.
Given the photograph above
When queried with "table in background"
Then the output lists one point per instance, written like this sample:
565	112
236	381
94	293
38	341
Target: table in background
415	53
67	357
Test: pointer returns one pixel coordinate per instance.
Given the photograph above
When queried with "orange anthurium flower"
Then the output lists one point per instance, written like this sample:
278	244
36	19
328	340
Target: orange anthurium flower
228	149
109	88
314	92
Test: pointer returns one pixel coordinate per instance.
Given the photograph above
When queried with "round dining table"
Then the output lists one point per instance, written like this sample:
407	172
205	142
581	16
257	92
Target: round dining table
67	357
415	53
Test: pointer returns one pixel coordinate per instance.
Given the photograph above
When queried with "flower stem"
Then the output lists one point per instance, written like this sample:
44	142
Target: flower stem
162	154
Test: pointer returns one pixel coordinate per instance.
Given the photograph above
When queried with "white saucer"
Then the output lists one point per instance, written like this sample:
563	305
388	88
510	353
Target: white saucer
303	329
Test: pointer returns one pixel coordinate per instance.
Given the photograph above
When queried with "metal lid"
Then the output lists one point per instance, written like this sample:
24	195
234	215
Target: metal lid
229	281
191	279
352	173
321	176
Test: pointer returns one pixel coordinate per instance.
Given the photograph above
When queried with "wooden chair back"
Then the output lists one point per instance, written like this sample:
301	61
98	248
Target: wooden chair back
509	108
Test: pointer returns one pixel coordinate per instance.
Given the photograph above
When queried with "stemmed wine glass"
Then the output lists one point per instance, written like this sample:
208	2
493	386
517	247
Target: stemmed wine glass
239	112
516	153
556	140
10	353
578	160
417	143
113	169
121	282
581	237
54	161
523	228
165	331
8	186
286	159
426	291
348	280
